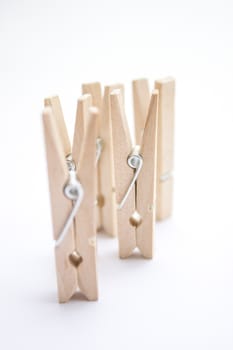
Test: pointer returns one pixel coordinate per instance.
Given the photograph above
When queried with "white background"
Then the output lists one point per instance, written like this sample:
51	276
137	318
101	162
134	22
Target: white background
183	299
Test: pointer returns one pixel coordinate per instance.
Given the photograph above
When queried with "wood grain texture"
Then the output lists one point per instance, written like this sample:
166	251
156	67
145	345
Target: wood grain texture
54	103
83	105
107	178
85	221
146	181
141	101
60	205
123	175
166	89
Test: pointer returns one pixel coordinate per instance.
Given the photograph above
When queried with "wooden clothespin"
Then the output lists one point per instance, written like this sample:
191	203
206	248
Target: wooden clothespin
106	217
135	172
141	96
73	195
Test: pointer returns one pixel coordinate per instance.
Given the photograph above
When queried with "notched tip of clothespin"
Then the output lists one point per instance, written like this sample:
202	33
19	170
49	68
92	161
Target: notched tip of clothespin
155	92
115	92
116	97
47	112
165	80
136	81
47	100
91	85
94	111
84	97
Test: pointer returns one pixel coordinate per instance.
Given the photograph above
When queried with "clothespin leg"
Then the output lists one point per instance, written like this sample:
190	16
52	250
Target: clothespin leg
82	114
146	183
166	89
141	101
94	89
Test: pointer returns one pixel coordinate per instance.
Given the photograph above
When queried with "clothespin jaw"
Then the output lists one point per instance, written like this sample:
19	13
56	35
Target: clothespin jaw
166	113
106	216
73	217
135	179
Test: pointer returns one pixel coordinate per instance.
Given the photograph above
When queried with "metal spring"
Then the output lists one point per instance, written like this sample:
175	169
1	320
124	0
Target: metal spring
73	190
135	161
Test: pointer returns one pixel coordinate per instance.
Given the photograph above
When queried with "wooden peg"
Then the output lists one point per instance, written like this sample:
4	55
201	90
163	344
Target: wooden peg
141	101
164	195
60	205
122	147
146	183
75	247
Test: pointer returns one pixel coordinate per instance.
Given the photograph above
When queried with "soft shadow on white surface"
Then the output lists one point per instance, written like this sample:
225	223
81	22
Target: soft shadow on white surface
182	299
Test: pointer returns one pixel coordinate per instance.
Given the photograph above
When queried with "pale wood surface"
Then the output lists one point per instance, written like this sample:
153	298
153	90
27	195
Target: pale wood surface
107	178
54	103
146	181
81	236
123	175
94	89
60	205
166	89
141	101
85	221
83	105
